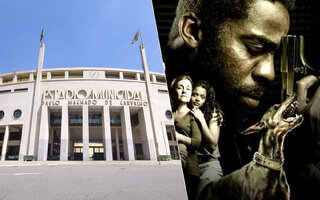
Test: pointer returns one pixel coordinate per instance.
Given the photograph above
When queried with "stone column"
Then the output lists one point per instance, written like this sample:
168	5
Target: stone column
138	77
127	134
154	78
117	143
44	134
51	135
120	75
107	142
24	142
85	132
31	77
64	133
66	74
165	139
149	149
48	75
5	143
15	78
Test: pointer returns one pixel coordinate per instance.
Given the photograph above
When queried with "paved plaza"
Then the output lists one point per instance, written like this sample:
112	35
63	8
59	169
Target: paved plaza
92	180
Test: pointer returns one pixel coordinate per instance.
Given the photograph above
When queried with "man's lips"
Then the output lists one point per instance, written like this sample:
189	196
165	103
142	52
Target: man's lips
250	101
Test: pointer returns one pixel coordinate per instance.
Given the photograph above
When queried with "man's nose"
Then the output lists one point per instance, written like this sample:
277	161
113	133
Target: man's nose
264	70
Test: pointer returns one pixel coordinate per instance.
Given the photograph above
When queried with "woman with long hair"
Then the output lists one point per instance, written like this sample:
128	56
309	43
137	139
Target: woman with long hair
207	111
187	132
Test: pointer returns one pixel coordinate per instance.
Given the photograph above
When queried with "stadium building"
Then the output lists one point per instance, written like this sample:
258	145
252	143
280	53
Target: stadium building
85	114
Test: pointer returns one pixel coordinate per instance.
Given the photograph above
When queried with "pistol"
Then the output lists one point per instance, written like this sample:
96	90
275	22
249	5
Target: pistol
293	64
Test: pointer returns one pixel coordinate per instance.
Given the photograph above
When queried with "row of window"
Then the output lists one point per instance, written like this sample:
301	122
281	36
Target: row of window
76	118
12	136
61	75
171	136
16	114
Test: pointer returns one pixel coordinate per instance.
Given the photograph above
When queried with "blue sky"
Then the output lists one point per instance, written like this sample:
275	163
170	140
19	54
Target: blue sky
78	33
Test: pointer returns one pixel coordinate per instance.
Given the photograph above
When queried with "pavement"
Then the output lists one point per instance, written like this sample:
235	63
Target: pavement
92	180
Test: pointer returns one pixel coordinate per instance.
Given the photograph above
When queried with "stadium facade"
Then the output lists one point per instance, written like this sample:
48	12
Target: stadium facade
85	114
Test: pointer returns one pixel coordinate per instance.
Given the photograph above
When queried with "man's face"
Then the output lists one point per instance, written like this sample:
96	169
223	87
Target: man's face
245	60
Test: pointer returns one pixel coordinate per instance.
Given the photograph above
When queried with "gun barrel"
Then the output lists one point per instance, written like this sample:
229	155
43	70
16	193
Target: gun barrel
288	62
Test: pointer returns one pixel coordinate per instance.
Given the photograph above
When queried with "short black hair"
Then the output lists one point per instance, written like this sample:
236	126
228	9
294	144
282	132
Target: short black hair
215	12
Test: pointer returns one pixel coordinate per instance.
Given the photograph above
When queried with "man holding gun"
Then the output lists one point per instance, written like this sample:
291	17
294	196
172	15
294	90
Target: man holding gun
232	44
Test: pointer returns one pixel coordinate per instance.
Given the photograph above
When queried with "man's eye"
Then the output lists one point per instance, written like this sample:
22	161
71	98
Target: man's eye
255	48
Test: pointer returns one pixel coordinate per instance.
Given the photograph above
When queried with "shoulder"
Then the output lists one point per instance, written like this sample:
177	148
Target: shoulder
191	116
216	117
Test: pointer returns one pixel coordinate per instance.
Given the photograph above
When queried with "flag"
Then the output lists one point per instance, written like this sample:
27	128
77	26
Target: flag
42	35
135	38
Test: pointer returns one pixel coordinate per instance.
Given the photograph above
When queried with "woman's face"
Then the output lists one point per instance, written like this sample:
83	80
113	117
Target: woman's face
183	90
199	95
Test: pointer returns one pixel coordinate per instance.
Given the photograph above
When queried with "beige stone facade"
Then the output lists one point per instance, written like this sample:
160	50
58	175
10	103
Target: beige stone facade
85	114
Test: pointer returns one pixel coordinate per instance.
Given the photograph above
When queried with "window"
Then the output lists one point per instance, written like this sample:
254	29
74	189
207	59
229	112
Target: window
134	120
15	136
1	114
169	136
129	76
163	91
55	118
169	114
5	91
17	114
75	119
139	149
115	119
95	118
21	89
172	152
161	79
174	136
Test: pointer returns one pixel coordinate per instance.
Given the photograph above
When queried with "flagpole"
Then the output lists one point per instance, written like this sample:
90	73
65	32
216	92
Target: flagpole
33	128
140	35
148	87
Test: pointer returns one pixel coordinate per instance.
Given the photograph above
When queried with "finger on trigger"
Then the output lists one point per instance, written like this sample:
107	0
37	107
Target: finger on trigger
302	89
316	98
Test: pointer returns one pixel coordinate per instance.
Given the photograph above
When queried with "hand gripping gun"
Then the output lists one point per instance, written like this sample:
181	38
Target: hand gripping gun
293	64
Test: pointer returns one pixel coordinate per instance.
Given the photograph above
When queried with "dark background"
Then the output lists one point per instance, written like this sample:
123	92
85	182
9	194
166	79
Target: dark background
305	20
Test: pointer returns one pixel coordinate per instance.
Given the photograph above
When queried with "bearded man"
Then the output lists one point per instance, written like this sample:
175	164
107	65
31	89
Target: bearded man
232	44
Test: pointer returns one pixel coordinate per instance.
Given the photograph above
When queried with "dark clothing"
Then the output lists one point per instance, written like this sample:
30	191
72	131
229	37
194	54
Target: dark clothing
208	158
188	126
302	163
236	150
